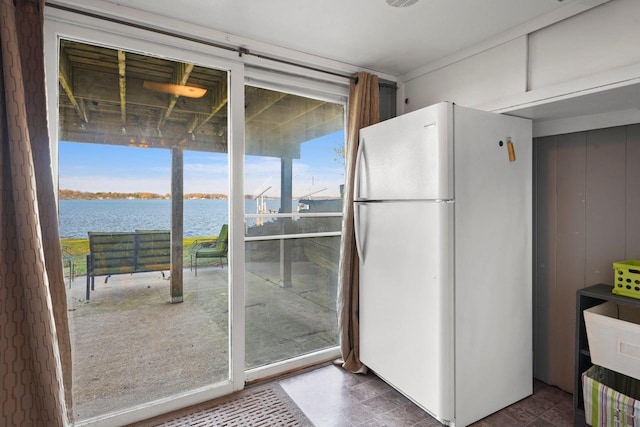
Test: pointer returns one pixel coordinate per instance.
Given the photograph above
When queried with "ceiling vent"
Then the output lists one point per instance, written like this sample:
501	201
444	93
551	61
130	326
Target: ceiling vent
401	3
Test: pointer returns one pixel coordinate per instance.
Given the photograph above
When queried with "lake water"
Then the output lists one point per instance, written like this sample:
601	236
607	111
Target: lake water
201	217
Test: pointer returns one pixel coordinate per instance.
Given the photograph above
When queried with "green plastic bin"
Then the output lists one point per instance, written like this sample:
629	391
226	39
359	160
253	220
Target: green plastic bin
626	280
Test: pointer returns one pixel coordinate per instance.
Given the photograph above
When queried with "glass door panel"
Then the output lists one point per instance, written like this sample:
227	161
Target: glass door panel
143	187
294	174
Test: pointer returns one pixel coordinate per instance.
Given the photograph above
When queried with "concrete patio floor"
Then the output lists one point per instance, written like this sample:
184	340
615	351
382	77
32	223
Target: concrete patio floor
131	346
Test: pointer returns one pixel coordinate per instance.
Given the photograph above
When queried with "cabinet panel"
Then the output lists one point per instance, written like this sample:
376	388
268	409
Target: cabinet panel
545	256
571	172
587	199
605	203
633	193
581	45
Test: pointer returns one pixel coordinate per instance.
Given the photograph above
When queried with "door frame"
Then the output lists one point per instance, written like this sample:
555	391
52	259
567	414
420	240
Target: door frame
87	29
67	25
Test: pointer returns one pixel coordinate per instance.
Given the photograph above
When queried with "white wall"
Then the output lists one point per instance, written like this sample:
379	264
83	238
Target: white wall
592	52
494	73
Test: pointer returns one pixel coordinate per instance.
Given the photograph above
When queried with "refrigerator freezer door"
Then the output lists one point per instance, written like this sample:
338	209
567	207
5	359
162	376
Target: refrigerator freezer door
407	157
406	299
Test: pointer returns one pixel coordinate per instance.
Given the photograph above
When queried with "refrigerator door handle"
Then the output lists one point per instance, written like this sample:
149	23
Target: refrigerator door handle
359	170
356	229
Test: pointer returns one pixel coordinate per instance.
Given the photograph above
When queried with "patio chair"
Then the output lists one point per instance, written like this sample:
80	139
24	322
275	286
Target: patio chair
210	249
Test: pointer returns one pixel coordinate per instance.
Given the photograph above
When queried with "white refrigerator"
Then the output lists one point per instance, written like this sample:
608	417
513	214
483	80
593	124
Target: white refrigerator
443	221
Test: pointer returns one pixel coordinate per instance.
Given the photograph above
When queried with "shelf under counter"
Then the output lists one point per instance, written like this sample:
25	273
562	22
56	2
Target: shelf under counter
586	298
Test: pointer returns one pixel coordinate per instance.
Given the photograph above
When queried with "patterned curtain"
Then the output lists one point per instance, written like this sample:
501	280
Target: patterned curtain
35	350
364	110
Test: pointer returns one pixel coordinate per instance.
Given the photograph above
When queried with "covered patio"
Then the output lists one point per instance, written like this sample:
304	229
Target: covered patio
111	96
131	346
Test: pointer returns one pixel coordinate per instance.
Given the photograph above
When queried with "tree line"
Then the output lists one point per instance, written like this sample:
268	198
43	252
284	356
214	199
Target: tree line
65	194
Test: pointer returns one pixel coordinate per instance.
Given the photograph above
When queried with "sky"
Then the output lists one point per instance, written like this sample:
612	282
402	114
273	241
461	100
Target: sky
104	168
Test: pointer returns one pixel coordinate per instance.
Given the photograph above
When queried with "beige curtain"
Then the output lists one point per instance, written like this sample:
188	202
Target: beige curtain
364	110
35	355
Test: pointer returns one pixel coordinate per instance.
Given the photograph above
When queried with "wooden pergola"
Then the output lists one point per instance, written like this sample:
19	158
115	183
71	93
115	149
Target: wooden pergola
110	96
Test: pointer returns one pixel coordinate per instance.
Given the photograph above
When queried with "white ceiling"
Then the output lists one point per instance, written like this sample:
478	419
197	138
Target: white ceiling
365	33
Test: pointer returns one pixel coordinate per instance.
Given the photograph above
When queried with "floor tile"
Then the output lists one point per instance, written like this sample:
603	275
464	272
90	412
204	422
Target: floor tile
385	402
560	415
332	397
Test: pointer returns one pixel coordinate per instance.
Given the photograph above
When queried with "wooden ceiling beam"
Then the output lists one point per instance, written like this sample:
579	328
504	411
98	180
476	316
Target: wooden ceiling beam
65	79
301	113
108	86
222	98
267	100
100	87
192	124
181	77
122	84
105	136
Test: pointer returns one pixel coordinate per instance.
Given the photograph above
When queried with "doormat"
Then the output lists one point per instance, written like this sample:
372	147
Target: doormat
261	406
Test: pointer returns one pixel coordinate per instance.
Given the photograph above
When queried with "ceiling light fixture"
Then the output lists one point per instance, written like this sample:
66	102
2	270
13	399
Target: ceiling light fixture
401	3
180	90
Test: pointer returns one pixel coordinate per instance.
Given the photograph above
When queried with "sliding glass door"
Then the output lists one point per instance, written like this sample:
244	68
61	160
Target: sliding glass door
294	174
200	220
144	192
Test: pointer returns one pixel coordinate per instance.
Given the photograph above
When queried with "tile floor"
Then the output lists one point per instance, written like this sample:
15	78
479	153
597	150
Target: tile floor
330	397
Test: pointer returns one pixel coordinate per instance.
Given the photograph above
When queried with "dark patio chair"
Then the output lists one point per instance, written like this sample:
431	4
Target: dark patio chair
210	249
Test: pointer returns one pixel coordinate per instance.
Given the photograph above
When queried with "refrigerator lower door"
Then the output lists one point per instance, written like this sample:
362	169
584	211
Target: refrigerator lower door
406	299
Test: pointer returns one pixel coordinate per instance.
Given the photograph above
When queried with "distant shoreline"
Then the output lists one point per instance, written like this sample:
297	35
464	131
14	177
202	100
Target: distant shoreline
108	195
65	194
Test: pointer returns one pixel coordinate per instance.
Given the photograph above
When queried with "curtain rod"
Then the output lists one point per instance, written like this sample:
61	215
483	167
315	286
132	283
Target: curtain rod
240	50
